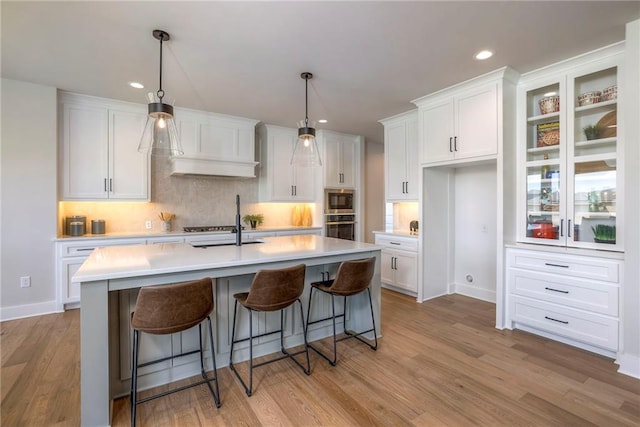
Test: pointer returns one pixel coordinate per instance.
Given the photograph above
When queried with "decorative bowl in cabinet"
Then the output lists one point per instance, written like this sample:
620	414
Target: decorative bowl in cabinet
589	98
610	93
549	104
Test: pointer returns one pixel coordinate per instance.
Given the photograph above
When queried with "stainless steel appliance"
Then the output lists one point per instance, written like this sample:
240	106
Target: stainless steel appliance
341	226
338	201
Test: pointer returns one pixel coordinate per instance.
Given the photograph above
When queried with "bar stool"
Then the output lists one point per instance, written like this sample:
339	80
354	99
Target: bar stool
167	309
271	290
352	277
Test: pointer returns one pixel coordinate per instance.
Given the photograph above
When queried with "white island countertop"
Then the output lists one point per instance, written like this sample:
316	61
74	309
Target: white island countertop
116	262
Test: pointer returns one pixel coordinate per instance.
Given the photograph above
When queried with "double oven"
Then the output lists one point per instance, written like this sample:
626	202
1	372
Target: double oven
339	213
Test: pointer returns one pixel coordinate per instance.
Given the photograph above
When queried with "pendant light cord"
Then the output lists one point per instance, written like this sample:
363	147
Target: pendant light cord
160	92
306	103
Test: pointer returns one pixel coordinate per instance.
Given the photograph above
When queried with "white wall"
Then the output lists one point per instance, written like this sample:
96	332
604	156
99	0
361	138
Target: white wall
28	159
374	190
475	203
629	358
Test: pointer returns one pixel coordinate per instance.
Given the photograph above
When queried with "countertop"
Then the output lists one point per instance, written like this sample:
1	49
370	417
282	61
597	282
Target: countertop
144	234
402	233
116	262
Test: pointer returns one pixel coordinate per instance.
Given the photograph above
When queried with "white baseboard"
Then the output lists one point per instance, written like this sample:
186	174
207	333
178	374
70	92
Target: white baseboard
629	364
473	292
28	310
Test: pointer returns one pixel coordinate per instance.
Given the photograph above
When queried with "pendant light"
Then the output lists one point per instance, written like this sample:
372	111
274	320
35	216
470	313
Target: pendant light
305	152
160	136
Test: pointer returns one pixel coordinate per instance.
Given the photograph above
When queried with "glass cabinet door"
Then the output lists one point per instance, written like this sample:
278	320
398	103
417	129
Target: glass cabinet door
544	219
593	160
544	160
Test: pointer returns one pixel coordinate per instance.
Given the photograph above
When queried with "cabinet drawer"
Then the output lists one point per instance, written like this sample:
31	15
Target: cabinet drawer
594	329
84	248
401	243
577	293
567	265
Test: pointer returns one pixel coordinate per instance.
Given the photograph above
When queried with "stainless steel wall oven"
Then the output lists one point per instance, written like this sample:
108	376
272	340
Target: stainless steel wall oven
342	226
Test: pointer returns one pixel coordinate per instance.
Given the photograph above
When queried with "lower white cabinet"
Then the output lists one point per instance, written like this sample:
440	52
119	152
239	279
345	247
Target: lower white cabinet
70	256
571	298
399	262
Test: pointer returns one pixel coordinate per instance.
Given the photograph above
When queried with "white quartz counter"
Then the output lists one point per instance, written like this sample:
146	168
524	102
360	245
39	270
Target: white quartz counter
150	234
401	233
143	260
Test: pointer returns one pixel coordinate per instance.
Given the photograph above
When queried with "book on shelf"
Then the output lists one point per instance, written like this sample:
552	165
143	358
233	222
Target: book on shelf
548	134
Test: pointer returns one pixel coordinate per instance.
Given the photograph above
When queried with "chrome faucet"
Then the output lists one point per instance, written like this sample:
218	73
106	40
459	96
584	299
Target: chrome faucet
238	224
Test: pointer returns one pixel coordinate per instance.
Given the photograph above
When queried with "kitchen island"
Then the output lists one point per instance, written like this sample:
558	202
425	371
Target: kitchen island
111	277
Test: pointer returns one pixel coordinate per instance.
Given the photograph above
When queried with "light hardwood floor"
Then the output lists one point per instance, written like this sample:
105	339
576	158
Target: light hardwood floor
439	363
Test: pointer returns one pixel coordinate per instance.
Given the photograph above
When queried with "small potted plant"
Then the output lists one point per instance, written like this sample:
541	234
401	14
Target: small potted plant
253	220
603	233
592	131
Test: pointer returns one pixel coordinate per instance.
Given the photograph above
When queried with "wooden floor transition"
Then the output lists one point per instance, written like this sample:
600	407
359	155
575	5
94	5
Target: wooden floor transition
439	363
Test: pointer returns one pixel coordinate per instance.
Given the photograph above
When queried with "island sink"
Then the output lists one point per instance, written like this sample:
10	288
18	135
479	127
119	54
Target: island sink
211	245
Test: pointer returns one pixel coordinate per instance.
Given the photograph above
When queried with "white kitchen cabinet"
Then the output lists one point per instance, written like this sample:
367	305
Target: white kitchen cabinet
281	181
569	186
70	255
99	158
401	155
398	262
215	144
570	298
463	123
341	160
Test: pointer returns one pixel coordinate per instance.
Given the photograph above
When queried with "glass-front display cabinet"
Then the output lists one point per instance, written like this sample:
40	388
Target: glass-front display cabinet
570	183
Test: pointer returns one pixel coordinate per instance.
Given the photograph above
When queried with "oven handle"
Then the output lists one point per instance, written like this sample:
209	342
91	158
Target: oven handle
340	222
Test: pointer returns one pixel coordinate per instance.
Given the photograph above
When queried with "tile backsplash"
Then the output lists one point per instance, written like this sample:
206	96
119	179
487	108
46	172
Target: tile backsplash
195	200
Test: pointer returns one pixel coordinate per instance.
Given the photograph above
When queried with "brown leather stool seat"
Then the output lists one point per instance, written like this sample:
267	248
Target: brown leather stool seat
352	278
167	309
271	290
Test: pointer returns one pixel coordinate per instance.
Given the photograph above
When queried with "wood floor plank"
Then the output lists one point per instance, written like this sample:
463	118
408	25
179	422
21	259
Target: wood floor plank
439	363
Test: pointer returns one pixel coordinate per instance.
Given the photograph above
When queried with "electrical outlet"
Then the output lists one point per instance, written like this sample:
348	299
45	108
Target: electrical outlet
25	282
148	225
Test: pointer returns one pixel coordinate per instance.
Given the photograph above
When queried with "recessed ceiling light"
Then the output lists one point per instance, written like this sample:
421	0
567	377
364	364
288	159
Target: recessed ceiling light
483	54
323	121
136	85
550	94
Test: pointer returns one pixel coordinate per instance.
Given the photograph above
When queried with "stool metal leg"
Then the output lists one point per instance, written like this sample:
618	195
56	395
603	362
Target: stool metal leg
206	379
134	377
347	333
247	390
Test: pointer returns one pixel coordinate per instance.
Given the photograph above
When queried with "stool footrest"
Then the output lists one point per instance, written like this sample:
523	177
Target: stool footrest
152	362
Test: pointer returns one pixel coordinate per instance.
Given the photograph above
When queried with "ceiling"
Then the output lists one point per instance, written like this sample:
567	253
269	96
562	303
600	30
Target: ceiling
369	59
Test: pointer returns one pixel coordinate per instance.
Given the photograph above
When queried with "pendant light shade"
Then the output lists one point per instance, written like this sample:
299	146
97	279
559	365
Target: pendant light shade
305	152
160	136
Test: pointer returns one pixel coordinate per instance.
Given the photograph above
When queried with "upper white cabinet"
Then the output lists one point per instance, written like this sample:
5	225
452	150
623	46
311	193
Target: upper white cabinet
569	144
341	161
99	158
401	157
463	123
279	180
215	144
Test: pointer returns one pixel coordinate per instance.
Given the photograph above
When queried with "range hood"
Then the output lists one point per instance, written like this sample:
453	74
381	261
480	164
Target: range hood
199	165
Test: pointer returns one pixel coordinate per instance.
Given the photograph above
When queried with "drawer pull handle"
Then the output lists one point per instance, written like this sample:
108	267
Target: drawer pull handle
557	290
556	265
393	243
564	322
84	249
